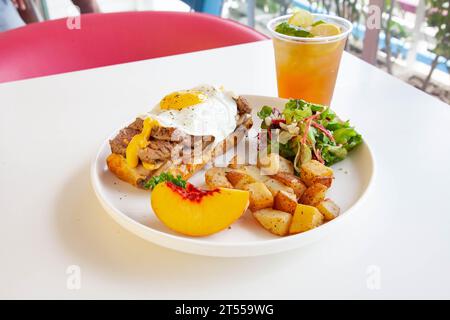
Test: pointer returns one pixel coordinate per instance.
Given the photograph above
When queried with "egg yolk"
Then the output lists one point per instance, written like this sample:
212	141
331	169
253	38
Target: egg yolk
139	141
182	99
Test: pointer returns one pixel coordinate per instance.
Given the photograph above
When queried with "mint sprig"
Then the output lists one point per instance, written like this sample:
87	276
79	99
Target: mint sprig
291	30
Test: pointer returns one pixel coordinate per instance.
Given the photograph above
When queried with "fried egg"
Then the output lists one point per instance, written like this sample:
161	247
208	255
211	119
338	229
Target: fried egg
201	111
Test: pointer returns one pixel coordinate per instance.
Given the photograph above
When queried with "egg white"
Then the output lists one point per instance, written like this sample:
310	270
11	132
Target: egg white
215	116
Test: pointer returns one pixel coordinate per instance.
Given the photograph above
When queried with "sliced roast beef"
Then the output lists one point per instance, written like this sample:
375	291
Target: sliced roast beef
156	150
120	142
243	105
194	147
197	141
160	133
138	124
167	134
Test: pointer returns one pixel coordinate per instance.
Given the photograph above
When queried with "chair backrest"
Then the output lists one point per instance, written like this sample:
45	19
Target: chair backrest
51	47
206	6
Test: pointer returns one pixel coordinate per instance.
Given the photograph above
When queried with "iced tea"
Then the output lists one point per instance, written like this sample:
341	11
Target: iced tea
307	65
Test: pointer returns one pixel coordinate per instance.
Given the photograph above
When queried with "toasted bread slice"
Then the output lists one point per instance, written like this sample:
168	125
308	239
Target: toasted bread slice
139	175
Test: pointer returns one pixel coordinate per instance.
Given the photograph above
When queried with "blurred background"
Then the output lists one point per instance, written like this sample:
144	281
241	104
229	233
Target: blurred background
412	43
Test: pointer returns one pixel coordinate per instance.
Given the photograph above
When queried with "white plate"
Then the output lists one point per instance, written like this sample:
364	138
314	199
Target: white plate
130	207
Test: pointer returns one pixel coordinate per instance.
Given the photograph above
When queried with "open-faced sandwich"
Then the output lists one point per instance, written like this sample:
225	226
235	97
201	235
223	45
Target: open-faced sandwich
182	133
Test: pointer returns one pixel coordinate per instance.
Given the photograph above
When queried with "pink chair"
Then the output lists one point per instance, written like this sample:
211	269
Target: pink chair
105	39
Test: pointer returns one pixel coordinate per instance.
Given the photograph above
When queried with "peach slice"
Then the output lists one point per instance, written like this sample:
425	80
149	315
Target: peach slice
195	212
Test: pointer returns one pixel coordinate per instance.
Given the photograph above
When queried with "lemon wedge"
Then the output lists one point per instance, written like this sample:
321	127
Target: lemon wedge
325	30
301	18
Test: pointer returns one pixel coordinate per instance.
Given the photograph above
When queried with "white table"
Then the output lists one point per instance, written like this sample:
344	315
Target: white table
398	246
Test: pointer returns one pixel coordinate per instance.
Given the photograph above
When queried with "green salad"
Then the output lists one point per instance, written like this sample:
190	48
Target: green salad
308	131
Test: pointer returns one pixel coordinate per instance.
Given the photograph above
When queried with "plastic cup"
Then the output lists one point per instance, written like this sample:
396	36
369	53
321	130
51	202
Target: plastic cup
307	67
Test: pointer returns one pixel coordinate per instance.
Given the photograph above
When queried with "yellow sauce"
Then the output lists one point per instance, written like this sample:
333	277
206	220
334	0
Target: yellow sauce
138	142
149	166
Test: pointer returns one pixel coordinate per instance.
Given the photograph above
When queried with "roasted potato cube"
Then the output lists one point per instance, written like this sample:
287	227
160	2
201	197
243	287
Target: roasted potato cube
215	178
314	194
274	163
276	186
269	164
255	173
260	196
285	202
315	172
239	179
305	218
286	165
292	181
275	221
329	209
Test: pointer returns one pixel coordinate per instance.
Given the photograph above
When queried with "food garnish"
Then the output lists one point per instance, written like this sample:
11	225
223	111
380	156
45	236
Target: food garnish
301	18
165	177
302	24
325	30
291	30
